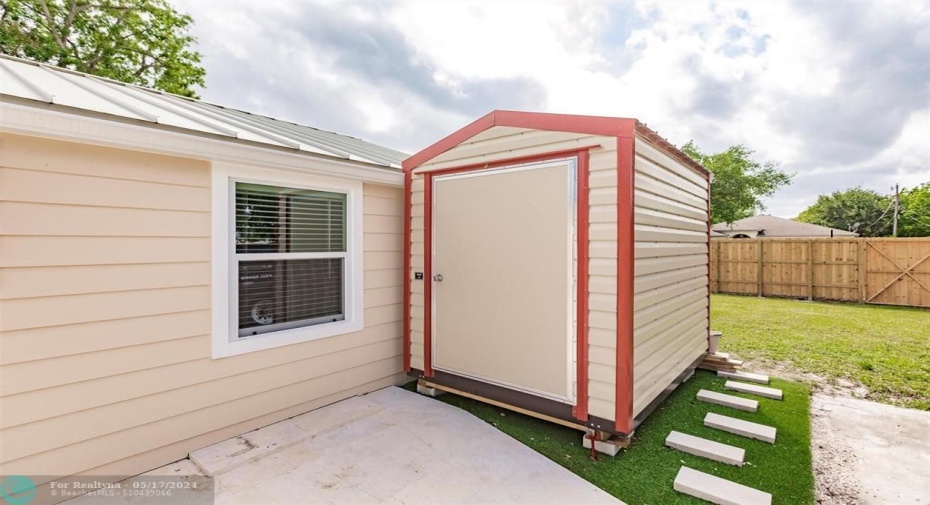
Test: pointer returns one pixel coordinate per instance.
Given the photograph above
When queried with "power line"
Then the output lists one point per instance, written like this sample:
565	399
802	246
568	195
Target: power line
890	205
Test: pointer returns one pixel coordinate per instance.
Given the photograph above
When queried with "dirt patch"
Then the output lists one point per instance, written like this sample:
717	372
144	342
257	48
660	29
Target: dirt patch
833	460
842	387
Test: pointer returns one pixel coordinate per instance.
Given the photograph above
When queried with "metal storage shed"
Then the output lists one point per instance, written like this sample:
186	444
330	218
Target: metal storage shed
558	265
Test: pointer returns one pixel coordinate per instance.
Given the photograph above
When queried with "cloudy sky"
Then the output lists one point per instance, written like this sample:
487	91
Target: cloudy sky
838	92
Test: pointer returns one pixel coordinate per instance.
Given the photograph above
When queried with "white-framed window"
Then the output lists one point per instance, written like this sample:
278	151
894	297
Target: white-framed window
287	258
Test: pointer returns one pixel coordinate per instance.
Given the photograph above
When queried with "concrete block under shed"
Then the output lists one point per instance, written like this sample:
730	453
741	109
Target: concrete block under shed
429	391
610	447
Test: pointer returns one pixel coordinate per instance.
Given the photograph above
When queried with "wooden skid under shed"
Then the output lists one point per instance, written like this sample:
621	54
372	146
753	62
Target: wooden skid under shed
720	362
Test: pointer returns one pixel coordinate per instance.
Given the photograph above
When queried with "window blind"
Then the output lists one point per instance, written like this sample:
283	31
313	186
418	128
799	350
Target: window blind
284	220
284	288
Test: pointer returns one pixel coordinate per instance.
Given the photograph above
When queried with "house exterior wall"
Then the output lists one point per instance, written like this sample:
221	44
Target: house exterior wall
105	314
501	143
671	300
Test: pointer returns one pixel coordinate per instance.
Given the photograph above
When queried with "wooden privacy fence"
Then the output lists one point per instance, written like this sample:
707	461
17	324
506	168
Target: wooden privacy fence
891	271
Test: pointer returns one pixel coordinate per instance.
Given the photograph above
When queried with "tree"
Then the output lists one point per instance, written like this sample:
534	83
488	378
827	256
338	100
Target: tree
914	219
143	42
740	182
858	210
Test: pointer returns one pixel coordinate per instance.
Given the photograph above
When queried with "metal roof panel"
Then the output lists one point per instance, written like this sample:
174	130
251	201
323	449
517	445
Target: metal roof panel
48	84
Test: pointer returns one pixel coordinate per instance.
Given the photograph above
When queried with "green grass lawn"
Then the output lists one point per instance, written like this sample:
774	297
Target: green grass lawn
885	348
644	473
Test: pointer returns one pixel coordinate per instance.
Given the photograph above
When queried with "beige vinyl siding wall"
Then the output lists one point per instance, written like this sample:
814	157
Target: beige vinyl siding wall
500	143
105	352
670	268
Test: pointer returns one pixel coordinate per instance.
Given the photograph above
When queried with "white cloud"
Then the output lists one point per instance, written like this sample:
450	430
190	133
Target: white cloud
789	80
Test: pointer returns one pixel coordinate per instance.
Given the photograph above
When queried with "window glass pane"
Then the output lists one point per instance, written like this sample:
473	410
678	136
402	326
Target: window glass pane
282	294
271	219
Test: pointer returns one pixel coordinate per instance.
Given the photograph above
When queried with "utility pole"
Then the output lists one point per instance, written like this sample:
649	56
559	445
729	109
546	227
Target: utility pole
894	229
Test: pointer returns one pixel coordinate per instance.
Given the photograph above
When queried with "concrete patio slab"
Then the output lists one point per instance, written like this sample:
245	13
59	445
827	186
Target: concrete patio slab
880	452
387	447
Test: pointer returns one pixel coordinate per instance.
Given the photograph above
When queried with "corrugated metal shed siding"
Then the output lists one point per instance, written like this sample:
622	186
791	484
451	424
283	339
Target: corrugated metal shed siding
602	279
105	360
670	268
417	264
506	142
47	84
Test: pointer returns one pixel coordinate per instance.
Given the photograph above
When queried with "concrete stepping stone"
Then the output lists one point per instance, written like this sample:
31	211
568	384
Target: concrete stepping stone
716	490
753	389
725	400
706	448
745	376
740	427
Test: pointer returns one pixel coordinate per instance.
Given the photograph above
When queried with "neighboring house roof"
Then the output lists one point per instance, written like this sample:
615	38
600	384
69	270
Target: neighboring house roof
771	226
43	83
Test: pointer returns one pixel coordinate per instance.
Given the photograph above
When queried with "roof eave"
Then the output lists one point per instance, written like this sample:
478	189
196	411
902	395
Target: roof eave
57	122
670	148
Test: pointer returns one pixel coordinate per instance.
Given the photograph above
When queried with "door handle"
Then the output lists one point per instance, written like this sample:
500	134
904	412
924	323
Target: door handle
437	277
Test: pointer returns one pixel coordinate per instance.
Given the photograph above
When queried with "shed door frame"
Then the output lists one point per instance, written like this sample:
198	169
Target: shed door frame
570	271
581	155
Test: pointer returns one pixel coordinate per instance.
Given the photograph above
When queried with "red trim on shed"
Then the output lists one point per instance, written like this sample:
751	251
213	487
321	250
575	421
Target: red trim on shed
475	127
580	411
625	253
625	130
592	125
408	188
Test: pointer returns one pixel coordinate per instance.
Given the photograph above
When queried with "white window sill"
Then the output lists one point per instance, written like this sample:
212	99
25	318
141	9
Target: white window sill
223	349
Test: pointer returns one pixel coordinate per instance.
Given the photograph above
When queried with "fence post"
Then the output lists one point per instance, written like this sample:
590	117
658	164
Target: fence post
717	268
810	270
862	266
759	241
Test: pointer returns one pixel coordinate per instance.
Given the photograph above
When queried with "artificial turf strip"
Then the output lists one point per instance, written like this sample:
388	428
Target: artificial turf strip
885	348
644	472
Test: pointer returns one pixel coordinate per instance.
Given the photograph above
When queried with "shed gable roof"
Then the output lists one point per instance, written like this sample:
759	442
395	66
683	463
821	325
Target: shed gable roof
47	84
591	125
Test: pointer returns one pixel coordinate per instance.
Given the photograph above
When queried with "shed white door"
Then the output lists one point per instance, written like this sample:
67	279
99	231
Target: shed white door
503	279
